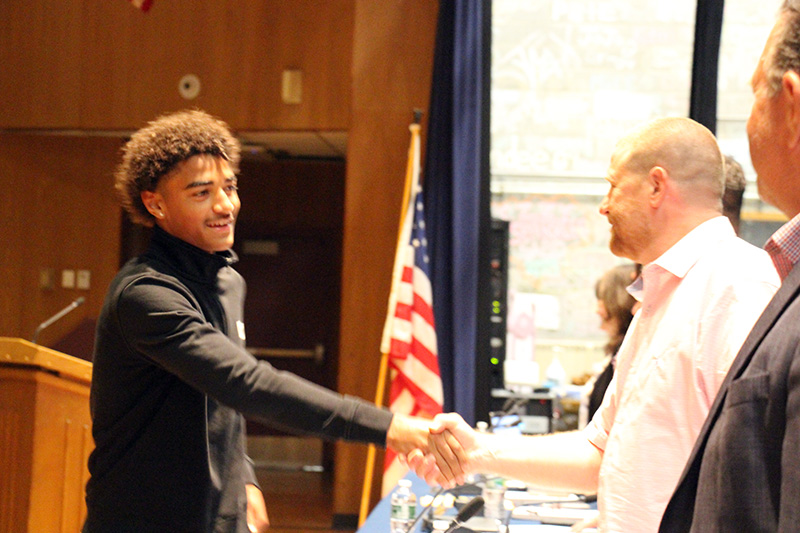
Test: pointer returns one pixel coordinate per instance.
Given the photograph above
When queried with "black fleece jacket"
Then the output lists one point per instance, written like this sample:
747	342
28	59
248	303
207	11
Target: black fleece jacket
171	377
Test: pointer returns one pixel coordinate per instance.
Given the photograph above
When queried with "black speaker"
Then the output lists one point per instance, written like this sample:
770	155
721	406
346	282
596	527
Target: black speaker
498	285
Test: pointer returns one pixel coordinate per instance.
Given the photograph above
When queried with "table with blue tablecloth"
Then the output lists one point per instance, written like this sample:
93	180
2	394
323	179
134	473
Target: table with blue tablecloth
378	519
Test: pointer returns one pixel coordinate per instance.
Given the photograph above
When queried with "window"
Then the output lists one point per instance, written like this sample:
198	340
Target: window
569	77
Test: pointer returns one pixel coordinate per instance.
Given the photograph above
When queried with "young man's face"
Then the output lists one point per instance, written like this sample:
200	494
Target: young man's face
197	202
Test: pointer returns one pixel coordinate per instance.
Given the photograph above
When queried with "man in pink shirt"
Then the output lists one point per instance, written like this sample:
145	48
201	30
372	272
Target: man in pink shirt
702	289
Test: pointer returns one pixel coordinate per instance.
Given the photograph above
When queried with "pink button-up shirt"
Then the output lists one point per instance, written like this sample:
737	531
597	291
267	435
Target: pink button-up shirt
699	301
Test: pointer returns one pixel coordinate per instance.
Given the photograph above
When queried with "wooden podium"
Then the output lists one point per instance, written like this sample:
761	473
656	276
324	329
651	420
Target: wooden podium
45	438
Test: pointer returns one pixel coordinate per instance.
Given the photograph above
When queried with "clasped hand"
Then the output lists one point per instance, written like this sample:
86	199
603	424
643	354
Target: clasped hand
453	448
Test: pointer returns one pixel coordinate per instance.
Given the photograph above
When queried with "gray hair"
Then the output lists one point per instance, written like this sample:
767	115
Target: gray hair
785	53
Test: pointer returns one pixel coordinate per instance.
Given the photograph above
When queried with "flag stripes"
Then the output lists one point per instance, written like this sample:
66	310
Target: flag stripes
410	335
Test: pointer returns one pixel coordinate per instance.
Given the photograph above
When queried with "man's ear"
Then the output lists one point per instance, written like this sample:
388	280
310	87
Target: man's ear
790	85
152	202
657	181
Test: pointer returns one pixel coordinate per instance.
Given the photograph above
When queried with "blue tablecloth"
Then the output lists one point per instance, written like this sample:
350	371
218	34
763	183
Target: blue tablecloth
378	519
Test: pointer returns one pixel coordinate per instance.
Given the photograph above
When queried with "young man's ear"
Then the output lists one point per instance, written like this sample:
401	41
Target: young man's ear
657	181
152	202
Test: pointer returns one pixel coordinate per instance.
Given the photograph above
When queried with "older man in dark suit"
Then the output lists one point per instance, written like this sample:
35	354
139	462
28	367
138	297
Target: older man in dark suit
744	472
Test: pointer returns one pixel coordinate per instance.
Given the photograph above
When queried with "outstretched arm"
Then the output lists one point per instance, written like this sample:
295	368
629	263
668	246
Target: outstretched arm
562	461
407	433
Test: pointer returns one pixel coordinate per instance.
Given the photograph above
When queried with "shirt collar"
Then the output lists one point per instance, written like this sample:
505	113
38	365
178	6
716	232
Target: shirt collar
191	261
682	255
784	247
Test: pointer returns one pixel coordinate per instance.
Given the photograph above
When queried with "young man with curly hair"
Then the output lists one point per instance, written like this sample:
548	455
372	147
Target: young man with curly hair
172	379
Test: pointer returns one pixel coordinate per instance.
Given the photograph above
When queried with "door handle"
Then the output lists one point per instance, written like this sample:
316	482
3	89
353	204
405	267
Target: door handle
317	353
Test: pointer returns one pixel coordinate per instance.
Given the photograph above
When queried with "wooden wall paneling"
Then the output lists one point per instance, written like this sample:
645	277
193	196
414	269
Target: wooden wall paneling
109	66
392	66
13	198
67	218
134	61
110	37
238	50
40	56
315	38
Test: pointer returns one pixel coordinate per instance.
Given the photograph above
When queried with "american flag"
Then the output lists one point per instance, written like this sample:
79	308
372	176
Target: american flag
144	5
409	336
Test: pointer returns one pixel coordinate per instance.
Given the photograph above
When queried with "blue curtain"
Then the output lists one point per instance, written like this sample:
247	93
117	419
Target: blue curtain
456	186
707	34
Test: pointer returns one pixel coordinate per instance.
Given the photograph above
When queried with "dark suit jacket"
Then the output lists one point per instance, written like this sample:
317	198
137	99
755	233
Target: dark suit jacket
744	472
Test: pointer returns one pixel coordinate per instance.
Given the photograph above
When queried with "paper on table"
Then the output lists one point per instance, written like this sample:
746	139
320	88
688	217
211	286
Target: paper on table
541	528
523	497
564	515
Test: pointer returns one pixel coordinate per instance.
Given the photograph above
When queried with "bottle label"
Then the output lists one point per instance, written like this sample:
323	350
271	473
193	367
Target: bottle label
404	511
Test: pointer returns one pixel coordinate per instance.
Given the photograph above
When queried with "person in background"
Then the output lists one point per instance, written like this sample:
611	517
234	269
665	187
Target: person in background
171	378
743	473
701	290
734	192
615	308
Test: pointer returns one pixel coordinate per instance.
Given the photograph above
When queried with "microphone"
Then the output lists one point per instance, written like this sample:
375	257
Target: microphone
466	512
57	316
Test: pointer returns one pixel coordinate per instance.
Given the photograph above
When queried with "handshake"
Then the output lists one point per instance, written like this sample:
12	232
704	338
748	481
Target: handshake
441	451
446	449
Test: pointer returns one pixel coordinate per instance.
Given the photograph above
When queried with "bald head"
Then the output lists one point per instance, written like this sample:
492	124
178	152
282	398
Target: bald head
686	149
666	178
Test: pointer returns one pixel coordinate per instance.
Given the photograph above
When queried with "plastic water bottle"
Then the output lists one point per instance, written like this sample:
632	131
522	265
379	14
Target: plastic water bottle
404	507
494	497
556	375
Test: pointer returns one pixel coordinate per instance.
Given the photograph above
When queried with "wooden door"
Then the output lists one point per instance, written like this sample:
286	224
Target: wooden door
289	242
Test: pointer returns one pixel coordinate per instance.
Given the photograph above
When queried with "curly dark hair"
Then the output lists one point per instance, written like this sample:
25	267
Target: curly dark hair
156	149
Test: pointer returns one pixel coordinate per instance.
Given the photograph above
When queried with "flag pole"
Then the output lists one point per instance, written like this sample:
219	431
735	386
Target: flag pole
380	390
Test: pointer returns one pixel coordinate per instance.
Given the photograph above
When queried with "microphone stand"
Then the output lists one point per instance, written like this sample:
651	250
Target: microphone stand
57	316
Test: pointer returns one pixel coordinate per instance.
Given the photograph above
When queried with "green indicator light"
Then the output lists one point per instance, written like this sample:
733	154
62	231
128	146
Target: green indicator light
494	360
